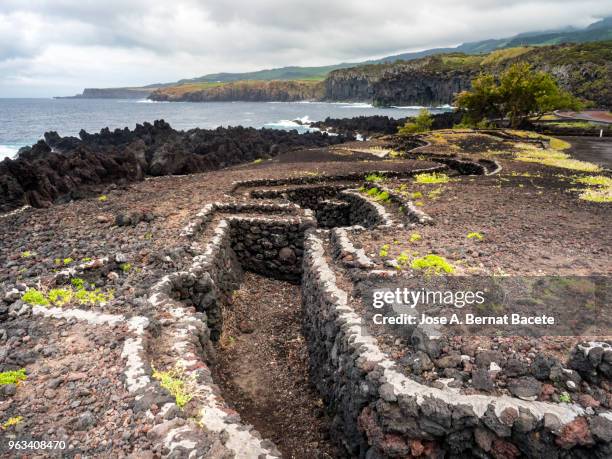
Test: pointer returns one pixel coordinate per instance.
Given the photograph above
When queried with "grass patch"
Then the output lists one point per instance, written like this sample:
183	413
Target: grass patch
553	158
599	188
177	383
430	178
432	264
12	377
62	296
375	178
558	144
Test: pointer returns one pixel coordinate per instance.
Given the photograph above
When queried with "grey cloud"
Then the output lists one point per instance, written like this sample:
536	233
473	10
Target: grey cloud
161	40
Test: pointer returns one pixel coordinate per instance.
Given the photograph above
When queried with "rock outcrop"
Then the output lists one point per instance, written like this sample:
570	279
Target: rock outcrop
59	169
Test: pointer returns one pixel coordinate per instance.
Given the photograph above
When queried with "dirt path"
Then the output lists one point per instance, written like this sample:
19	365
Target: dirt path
262	369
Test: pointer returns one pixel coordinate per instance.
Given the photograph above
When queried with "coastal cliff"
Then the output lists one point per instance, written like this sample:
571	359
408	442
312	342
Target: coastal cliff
249	90
112	93
585	70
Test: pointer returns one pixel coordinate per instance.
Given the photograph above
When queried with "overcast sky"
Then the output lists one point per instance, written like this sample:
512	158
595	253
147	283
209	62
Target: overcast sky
57	47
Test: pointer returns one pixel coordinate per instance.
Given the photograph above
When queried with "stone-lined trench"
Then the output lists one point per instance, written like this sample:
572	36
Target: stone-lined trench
266	366
262	362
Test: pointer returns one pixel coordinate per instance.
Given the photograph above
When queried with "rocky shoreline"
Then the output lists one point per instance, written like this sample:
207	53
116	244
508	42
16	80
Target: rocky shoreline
61	169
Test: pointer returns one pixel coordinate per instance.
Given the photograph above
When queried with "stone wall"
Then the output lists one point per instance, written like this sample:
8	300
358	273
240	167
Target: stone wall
380	412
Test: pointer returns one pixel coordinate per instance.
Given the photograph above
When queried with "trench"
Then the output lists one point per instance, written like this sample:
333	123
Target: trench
262	369
262	361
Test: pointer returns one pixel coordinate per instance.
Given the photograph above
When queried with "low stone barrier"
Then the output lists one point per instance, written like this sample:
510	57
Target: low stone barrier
380	412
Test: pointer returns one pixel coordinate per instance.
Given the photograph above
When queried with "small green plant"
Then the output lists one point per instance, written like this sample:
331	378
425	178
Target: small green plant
148	236
416	195
430	178
103	198
67	261
565	398
177	383
33	296
12	377
402	259
383	196
26	254
86	260
77	283
475	235
414	237
258	160
91	298
384	250
57	262
372	191
435	194
15	420
375	178
125	267
60	296
432	264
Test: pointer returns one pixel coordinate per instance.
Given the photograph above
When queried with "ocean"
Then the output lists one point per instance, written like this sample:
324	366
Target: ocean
24	121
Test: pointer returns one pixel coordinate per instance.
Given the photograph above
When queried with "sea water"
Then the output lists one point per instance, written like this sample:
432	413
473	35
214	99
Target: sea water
24	121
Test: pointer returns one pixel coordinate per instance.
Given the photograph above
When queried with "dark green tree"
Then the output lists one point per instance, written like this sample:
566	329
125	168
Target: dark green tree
519	93
421	123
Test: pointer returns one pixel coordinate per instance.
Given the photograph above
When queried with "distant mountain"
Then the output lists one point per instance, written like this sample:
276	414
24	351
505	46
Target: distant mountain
598	31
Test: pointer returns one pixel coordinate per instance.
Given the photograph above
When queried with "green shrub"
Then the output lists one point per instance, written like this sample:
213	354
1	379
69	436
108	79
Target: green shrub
414	237
125	267
33	296
429	178
374	178
12	377
422	123
433	264
177	383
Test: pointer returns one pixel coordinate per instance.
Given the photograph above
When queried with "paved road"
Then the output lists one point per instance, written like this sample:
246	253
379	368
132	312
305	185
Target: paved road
600	116
594	149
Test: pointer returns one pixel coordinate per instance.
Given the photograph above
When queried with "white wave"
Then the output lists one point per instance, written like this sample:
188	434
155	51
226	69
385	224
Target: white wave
8	151
409	107
149	101
302	126
355	105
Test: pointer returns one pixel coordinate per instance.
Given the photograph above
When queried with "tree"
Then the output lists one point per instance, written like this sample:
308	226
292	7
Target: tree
422	123
519	93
